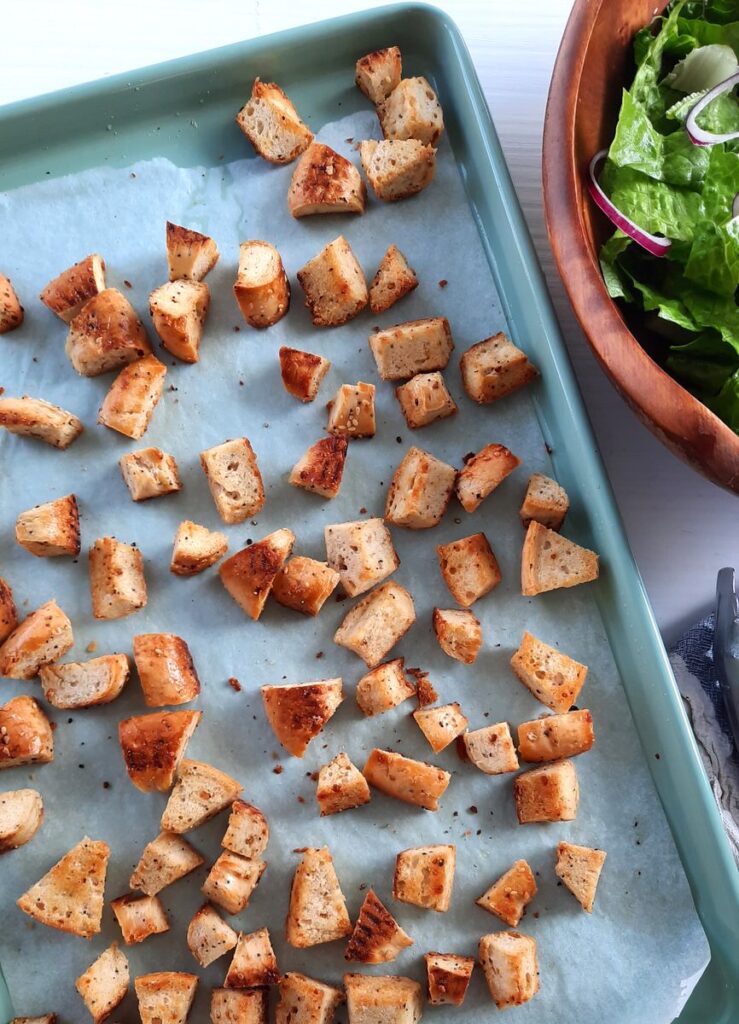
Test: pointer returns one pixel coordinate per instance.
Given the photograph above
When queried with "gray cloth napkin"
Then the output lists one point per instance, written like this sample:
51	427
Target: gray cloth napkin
692	662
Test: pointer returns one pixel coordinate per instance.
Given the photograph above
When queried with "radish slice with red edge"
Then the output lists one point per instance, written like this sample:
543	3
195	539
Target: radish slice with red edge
699	136
657	245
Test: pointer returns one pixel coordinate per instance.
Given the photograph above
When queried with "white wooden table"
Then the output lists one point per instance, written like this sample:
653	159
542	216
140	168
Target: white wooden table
682	529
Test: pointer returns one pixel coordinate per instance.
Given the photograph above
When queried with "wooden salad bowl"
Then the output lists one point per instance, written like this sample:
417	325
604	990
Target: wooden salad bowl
594	63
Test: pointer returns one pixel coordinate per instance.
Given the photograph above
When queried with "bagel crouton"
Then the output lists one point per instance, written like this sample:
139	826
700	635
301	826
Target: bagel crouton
325	182
508	960
249	574
298	712
362	553
425	399
150	473
377	937
424	876
469	567
272	125
239	1006
85	684
375	624
133	397
321	468
8	616
190	255
302	372
153	746
304	584
33	417
412	111
117	583
556	736
378	73
209	937
43	637
482	473
383	999
51	529
510	895
196	548
383	688
441	725
394	278
103	986
232	880
200	792
11	311
105	334
448	978
262	289
334	285
491	749
550	561
248	832
70	895
549	793
165	997
304	1000
351	412
139	917
234	479
317	911
21	815
419	491
494	368
459	633
545	501
413	782
413	347
254	963
25	734
178	311
164	861
165	668
341	786
552	677
397	169
579	868
70	290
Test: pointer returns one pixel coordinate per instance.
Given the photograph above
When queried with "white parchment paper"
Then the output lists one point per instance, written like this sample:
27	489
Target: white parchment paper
624	963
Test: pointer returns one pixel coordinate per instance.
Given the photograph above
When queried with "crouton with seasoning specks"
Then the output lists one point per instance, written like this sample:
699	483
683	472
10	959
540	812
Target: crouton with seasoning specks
165	668
103	986
304	1000
362	553
11	311
105	335
494	368
441	725
48	1018
8	615
545	501
321	468
85	684
117	583
150	473
424	876
248	832
378	73
448	977
413	347
164	861
178	311
262	289
550	562
459	633
240	1006
200	792
232	880
43	637
325	182
412	111
511	969
302	372
341	786
413	782
491	749
133	397
304	584
552	677
153	746
397	169
25	734
420	491
549	793
482	473
209	937
509	896
424	399
395	277
21	815
70	895
298	712
317	912
234	479
351	412
579	868
383	999
377	937
272	125
556	736
249	574
383	688
196	548
33	417
70	290
190	254
469	567
254	963
334	285
165	997
139	917
375	624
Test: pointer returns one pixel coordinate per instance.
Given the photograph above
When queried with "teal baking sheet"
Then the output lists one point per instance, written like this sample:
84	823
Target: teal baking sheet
184	111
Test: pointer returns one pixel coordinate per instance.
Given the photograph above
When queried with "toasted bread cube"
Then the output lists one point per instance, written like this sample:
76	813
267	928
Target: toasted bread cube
375	624
239	1006
325	182
469	567
104	984
378	73
579	867
164	861
25	734
425	399
413	782
302	372
341	786
494	368
117	583
165	997
424	876
334	285
459	633
383	688
105	334
165	668
304	1000
209	936
395	277
448	977
510	966
248	832
550	561
232	880
21	815
11	311
545	501
305	584
552	677
383	999
48	1018
413	347
377	937
317	911
441	725
33	417
139	917
556	736
261	288
254	963
51	529
420	490
44	636
271	123
84	684
351	412
178	311
150	473
412	111
70	895
190	255
249	574
491	749
549	793
298	712
234	479
397	169
70	290
321	468
133	397
8	616
200	792
482	473
196	548
153	746
510	895
362	553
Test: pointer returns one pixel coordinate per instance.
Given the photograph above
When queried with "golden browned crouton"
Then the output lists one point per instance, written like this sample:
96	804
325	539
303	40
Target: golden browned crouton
165	997
33	417
384	688
556	736
153	746
150	473
341	786
249	574
579	867
375	624
70	895
412	111
302	372
117	583
11	311
83	684
200	792
164	861
25	734
165	668
419	491
44	636
304	1000
469	567
334	285
234	479
441	725
459	633
232	880
413	782
552	677
494	368
377	937
8	616
133	396
51	529
424	876
491	749
510	895
383	999
549	793
21	815
351	412
545	501
325	182
196	548
248	832
378	73
321	468
395	277
298	712
448	977
272	125
178	311
261	288
254	963
305	584
397	169
48	1018
362	553
240	1006
104	984
105	335
416	346
482	473
425	399
550	561
139	917
508	960
317	911
70	290
190	255
209	936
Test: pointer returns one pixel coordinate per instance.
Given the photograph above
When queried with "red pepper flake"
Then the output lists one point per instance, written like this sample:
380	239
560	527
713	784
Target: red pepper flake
2	391
52	726
300	849
127	283
301	800
313	776
363	511
443	283
234	684
472	809
106	785
349	140
236	330
341	597
319	654
277	769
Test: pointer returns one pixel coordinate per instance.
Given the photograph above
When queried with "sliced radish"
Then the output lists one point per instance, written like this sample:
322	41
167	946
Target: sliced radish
657	245
699	136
